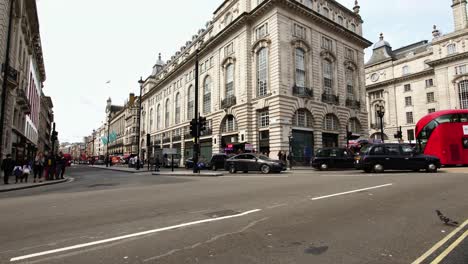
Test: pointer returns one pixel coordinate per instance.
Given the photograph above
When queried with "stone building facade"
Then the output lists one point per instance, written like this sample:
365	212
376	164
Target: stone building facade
46	119
268	70
418	79
25	77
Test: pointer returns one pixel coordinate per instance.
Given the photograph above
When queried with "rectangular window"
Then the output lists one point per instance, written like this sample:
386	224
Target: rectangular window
229	49
349	54
430	97
407	87
261	31
429	83
299	31
327	77
410	134
327	43
460	70
409	118
431	110
264	119
408	101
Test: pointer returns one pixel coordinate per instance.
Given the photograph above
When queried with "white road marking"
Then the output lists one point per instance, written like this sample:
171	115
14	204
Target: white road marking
130	236
277	205
354	191
255	176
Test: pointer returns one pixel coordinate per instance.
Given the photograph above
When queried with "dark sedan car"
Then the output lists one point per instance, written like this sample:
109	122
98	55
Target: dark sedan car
218	161
333	158
382	157
253	162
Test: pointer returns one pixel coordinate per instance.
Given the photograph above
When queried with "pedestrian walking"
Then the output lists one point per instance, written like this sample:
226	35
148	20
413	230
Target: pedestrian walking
280	155
26	172
48	171
38	167
8	164
18	172
59	162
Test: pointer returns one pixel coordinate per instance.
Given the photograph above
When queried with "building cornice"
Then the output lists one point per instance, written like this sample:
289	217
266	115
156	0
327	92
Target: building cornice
448	59
401	79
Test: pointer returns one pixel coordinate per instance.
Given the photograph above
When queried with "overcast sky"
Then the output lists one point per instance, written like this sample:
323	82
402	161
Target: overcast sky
89	42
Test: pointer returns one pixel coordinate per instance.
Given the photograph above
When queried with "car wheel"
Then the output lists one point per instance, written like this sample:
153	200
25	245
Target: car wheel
265	169
324	166
245	172
378	168
431	167
232	169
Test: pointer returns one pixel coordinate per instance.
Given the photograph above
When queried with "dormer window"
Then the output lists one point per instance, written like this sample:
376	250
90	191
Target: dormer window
451	49
326	12
405	70
228	18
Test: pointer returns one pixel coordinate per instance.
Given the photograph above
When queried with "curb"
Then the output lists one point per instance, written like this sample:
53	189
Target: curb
112	169
69	179
188	174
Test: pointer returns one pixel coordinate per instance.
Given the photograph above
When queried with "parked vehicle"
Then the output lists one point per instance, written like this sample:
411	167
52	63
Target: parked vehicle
254	162
99	162
167	159
381	157
218	161
333	158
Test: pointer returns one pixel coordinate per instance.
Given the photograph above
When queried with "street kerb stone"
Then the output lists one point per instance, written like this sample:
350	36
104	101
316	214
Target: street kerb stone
16	187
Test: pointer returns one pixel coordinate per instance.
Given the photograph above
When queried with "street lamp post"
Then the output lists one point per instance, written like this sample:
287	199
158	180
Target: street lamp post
381	114
94	138
141	82
107	151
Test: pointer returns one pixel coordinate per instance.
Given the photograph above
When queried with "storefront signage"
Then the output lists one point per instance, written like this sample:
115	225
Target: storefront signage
465	130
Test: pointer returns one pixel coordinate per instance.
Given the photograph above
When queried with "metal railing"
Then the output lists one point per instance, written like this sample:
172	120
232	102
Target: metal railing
228	102
330	99
303	91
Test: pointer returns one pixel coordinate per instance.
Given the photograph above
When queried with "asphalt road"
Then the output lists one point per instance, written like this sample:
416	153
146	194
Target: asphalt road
300	217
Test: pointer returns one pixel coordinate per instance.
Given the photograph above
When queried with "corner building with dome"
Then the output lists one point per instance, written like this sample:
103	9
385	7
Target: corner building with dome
274	75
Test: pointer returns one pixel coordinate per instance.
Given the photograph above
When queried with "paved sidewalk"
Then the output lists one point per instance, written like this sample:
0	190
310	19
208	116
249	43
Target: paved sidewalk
20	186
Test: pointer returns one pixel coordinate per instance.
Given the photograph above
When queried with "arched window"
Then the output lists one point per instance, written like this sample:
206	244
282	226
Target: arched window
405	70
303	118
190	103
340	20
353	27
327	77
207	95
463	94
355	126
167	115
300	68
229	124
262	72
451	49
177	108
228	18
158	117
229	80
151	120
326	12
331	123
349	83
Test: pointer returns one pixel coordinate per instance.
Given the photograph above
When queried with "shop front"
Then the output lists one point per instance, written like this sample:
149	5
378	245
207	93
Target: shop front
264	142
302	146
206	149
329	140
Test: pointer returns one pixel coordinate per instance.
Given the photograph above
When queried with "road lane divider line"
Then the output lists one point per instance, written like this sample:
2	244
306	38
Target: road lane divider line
449	249
440	243
132	235
353	191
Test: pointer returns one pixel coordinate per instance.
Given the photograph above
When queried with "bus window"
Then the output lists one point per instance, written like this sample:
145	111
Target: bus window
464	118
465	143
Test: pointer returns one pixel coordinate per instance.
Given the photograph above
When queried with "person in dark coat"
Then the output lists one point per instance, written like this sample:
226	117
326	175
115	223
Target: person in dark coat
8	164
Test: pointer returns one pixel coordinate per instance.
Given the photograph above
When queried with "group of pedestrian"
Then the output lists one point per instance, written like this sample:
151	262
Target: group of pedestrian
43	167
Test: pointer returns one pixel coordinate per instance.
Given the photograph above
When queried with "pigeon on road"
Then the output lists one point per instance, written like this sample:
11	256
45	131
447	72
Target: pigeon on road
446	220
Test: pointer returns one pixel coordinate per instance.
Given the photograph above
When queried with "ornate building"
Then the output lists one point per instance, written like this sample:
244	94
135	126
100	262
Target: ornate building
25	76
46	119
418	79
269	70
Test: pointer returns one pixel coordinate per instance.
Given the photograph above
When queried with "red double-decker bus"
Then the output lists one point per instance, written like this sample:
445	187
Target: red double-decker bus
444	134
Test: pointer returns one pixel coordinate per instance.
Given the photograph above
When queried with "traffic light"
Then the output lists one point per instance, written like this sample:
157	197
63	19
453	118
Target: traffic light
202	123
54	136
148	140
193	127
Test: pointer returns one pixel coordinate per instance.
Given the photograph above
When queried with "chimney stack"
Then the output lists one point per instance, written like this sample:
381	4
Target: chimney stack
459	14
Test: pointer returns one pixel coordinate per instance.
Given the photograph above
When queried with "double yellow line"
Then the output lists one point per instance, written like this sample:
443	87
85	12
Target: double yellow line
449	249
